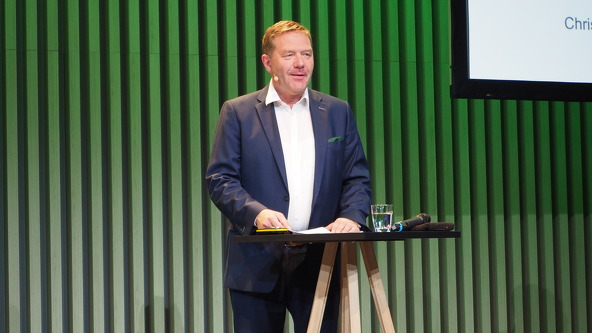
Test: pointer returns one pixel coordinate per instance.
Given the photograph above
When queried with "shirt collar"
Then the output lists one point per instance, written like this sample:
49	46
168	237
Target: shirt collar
272	96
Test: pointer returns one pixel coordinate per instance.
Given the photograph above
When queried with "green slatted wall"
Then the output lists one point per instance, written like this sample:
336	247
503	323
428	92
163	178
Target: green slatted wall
107	110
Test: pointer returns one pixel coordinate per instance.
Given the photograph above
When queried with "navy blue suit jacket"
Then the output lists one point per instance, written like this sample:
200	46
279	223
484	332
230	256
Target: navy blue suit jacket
246	174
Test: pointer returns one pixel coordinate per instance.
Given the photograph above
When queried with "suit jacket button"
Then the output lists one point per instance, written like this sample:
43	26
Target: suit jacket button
286	198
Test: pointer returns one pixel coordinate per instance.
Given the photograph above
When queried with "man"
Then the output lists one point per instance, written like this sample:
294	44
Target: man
285	156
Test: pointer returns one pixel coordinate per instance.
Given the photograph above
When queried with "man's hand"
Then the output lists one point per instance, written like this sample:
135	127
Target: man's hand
343	225
268	218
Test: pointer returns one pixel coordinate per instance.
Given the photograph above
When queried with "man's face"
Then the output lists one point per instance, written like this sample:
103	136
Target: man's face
292	63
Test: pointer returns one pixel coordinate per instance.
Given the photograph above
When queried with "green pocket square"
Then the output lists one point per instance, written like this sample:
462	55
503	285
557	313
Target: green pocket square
337	138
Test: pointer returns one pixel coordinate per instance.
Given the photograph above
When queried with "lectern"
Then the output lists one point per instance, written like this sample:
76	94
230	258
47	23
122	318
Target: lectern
350	303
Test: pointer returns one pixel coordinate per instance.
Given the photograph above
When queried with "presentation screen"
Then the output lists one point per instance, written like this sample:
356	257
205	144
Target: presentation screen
522	49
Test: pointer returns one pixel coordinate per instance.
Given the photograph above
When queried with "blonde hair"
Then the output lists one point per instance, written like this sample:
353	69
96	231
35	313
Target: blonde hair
278	29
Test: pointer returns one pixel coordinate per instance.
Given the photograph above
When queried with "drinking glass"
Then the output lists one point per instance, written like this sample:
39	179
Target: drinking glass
382	215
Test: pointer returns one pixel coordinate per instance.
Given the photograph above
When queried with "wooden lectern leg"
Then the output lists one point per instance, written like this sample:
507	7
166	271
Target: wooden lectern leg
350	299
320	297
380	302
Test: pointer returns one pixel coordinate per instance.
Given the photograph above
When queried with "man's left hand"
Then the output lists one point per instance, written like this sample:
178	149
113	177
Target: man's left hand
343	225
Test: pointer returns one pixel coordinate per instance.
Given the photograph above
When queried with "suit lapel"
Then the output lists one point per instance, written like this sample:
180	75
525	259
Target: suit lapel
269	123
320	119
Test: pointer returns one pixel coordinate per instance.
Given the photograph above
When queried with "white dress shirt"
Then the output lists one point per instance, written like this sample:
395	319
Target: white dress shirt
298	145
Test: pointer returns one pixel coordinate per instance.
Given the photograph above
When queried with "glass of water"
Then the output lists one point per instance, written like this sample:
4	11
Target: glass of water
382	216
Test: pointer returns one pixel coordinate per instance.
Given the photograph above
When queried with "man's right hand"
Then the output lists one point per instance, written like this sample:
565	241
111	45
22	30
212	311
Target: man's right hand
268	218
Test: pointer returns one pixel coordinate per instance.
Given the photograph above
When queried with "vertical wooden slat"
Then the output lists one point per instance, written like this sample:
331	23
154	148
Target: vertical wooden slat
511	226
496	217
428	160
560	203
576	216
448	287
479	212
249	48
544	190
176	219
3	177
56	254
321	39
158	311
265	9
137	171
339	60
586	114
14	184
377	132
214	238
411	158
193	125
231	50
92	123
117	220
394	156
528	224
376	112
356	72
303	13
466	285
357	77
33	218
285	10
79	302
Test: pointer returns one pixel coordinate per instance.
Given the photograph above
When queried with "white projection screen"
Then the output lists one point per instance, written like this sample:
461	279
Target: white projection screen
522	49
